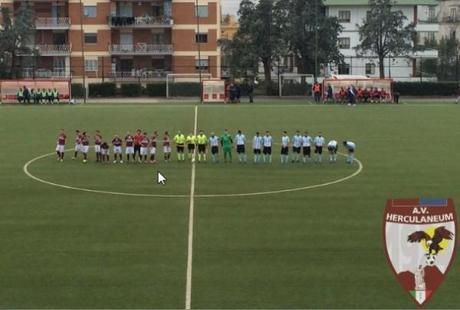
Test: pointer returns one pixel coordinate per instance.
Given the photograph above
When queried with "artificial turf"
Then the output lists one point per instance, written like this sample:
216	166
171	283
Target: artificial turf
320	247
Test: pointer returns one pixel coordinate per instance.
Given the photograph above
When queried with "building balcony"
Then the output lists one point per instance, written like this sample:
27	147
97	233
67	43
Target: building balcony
141	49
140	22
450	19
52	23
55	74
428	20
428	53
51	49
140	75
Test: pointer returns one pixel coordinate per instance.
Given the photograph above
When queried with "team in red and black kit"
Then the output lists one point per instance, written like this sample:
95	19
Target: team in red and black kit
60	145
129	142
77	143
117	149
97	145
145	142
153	147
166	147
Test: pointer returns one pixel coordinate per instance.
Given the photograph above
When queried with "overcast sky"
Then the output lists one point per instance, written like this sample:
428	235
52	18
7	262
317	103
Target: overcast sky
229	6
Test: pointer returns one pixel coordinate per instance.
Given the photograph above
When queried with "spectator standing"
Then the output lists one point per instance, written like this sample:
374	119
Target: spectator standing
351	96
396	97
250	88
317	91
232	92
238	93
329	93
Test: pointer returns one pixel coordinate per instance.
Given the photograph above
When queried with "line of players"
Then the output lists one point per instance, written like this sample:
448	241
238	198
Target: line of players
142	148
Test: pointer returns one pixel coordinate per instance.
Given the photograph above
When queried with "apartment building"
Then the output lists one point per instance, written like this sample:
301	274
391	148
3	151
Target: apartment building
114	40
423	13
449	18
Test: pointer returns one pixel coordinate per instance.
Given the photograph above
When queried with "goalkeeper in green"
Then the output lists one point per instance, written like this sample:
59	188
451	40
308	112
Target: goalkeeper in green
226	142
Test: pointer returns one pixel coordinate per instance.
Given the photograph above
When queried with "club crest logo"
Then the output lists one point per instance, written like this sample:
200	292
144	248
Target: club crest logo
420	241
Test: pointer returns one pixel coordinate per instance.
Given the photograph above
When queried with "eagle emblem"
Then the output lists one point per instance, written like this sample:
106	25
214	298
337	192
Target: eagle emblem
419	238
433	242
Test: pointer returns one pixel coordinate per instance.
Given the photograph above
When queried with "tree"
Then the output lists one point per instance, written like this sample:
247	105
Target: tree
239	52
15	38
310	35
448	61
257	39
385	32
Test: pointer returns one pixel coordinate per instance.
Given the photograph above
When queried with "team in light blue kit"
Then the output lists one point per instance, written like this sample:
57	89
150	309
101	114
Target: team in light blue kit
302	145
350	146
257	143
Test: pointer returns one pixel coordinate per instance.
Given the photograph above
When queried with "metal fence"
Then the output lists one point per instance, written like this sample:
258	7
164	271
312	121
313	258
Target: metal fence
127	71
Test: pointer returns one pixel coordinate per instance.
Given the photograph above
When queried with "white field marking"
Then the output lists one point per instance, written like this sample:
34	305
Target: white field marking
288	190
188	285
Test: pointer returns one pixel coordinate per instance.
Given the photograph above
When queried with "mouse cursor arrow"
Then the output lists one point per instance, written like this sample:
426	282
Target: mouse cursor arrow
161	179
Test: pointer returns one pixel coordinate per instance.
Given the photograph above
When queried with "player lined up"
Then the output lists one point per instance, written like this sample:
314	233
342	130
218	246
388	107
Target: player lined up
143	148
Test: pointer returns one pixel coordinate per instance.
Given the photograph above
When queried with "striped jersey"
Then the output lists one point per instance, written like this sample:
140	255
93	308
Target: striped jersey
240	139
332	143
350	145
297	141
267	141
257	142
285	141
214	141
306	141
319	141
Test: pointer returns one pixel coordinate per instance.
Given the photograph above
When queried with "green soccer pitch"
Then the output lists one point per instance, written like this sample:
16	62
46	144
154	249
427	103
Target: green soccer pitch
320	247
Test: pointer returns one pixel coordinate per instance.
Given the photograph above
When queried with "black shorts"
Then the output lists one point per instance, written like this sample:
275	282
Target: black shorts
284	150
306	151
351	150
332	149
296	149
240	149
137	148
267	150
201	148
257	151
214	149
319	150
180	148
191	147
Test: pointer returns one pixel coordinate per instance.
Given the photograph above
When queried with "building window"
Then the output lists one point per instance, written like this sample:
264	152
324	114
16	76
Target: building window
344	43
201	11
370	69
90	38
89	11
91	65
426	37
344	68
432	14
201	38
368	15
201	63
344	16
157	38
453	13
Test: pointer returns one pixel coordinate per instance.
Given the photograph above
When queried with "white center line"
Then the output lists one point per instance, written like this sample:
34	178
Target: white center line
188	286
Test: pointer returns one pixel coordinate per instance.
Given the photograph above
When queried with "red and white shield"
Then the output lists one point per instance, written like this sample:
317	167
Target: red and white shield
420	241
